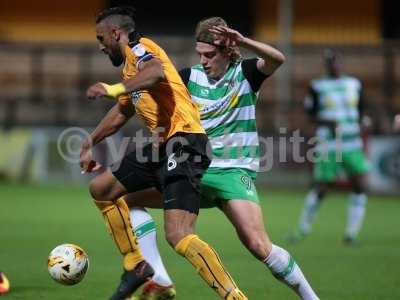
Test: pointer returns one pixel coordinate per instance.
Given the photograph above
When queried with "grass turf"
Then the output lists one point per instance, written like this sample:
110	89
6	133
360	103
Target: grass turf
34	219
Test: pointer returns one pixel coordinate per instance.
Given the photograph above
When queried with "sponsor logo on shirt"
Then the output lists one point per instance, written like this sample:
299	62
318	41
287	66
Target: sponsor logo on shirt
135	97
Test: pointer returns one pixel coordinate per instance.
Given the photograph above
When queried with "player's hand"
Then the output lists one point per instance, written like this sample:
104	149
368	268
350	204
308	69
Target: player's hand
396	123
366	123
95	91
86	161
225	36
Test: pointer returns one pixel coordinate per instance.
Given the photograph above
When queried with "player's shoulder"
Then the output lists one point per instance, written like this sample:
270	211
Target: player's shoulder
148	42
198	67
352	79
319	79
246	61
144	45
316	83
195	72
247	65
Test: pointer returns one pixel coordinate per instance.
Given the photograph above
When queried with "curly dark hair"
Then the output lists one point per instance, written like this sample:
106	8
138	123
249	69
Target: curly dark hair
123	16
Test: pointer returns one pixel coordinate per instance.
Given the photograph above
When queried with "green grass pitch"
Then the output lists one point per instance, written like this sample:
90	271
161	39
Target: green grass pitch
35	219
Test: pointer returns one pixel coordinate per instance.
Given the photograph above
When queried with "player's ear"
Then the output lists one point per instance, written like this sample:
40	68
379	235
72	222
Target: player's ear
116	34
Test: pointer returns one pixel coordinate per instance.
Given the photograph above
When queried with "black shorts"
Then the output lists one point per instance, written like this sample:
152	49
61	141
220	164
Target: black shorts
175	168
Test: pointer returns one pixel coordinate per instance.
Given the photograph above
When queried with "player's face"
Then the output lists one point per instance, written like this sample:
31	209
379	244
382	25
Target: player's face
214	60
108	43
332	67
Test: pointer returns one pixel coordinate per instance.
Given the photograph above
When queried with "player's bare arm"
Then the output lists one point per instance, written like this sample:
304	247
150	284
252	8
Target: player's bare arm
150	73
311	106
270	58
116	118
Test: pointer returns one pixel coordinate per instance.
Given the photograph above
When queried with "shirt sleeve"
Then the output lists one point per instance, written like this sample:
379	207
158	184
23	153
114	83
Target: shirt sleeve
361	101
311	103
124	99
142	53
252	74
185	75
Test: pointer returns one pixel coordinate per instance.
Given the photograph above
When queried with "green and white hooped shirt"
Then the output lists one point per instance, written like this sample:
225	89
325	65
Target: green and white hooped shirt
228	113
336	99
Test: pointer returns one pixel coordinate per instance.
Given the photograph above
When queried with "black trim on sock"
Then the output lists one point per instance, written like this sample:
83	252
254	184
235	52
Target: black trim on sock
109	224
226	272
213	273
126	232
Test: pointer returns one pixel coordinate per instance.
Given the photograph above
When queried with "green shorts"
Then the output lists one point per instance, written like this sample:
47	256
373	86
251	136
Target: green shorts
326	169
219	185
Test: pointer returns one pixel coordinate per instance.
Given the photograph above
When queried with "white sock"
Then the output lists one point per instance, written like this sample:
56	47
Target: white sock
311	205
144	227
284	268
355	214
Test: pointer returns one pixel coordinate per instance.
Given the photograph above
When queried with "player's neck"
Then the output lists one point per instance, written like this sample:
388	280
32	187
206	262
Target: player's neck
334	75
123	43
223	72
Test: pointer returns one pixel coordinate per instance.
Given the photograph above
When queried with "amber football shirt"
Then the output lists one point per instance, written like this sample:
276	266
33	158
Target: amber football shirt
166	105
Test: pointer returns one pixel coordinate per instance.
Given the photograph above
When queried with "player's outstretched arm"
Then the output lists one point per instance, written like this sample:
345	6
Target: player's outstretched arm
150	73
116	118
270	58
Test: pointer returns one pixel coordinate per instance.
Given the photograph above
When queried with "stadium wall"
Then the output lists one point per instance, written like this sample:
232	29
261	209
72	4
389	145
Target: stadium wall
46	20
323	22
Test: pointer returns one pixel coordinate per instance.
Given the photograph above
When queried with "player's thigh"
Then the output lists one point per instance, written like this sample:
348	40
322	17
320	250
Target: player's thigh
136	171
181	198
181	171
326	167
355	163
247	218
150	198
106	187
221	185
179	176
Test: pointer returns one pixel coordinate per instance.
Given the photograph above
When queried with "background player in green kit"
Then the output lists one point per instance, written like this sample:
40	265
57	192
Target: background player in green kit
225	88
335	104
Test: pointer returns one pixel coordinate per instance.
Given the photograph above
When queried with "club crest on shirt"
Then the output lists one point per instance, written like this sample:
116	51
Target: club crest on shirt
139	50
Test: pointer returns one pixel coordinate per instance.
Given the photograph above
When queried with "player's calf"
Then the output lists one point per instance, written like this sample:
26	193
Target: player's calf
209	266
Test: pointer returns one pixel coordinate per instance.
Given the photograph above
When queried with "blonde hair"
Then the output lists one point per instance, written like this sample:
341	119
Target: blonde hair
204	35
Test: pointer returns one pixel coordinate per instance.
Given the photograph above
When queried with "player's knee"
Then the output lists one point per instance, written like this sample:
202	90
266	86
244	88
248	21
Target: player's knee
97	190
174	236
258	246
358	188
321	191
